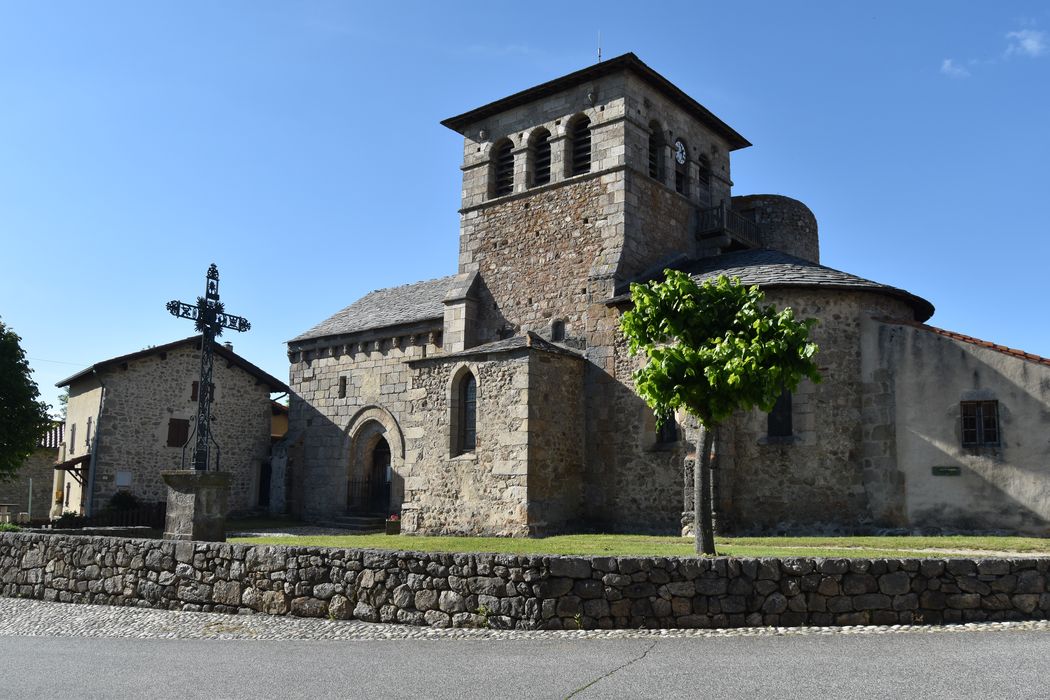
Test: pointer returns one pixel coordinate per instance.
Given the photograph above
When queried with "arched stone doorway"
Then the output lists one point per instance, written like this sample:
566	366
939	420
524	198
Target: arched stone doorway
376	455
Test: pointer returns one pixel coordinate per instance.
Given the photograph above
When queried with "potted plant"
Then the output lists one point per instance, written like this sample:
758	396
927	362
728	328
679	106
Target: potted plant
393	524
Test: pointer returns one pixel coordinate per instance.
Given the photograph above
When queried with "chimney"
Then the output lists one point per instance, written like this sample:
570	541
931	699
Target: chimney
228	345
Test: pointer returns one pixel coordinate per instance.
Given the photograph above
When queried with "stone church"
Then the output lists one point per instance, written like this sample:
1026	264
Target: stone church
498	400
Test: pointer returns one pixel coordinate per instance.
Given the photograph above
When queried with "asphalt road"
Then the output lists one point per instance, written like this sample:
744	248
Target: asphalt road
1001	664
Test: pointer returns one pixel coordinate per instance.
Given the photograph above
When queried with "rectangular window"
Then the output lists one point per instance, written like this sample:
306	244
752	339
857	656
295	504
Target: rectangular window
779	419
980	423
342	387
178	432
668	432
194	395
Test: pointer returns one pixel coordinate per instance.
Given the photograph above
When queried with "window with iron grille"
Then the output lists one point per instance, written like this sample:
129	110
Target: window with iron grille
580	145
704	174
468	406
504	168
656	152
778	422
540	154
178	432
980	423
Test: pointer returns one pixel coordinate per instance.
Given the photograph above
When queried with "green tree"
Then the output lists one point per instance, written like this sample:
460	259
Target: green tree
713	349
23	417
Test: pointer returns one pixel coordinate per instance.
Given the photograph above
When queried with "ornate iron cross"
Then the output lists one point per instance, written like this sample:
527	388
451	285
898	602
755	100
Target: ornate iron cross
211	318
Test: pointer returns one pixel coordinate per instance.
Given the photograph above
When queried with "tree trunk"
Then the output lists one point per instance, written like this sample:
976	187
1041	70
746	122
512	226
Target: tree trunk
703	527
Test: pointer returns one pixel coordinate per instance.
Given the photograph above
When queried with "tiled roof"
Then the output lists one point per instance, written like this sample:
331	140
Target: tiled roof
53	437
392	306
1020	354
222	351
772	268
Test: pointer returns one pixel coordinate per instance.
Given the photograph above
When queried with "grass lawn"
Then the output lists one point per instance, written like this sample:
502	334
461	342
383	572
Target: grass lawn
653	546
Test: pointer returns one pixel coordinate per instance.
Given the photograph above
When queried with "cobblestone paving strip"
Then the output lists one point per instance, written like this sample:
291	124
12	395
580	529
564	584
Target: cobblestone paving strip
32	618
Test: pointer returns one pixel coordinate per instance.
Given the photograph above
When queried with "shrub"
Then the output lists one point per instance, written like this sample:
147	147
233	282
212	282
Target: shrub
9	527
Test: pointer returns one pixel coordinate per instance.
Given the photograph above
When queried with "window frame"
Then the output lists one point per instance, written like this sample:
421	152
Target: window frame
540	139
780	419
579	132
982	423
502	168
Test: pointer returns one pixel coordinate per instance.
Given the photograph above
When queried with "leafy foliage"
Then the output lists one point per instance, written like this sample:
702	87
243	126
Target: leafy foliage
714	348
23	417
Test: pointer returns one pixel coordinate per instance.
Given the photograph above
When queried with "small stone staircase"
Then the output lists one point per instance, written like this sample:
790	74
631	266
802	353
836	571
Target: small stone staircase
371	522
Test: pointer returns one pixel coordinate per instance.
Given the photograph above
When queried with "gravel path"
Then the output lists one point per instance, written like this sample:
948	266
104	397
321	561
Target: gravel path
32	618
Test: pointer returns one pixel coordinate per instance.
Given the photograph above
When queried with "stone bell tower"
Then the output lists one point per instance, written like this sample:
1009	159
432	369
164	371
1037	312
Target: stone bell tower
574	187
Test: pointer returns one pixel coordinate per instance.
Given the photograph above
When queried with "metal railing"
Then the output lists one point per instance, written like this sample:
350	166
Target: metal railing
368	495
720	219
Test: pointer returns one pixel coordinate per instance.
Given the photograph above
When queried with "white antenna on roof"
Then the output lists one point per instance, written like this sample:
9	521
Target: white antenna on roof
599	46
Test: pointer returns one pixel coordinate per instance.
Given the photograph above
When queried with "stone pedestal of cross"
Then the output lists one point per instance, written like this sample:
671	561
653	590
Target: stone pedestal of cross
197	497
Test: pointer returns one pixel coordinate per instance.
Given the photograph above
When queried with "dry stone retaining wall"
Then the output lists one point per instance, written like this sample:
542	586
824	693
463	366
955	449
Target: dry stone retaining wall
522	592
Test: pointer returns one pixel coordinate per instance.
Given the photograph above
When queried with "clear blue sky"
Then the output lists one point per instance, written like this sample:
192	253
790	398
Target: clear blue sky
297	146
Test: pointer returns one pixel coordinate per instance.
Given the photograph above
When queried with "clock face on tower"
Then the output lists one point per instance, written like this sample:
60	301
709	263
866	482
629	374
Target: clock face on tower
679	152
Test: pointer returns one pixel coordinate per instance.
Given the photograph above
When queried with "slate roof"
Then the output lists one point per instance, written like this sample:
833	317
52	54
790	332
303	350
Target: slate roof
770	268
220	350
393	306
518	342
627	61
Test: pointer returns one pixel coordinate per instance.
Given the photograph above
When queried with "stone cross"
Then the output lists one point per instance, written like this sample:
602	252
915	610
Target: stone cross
211	318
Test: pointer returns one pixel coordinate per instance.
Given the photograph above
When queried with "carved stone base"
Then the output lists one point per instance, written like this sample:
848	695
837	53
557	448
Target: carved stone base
196	505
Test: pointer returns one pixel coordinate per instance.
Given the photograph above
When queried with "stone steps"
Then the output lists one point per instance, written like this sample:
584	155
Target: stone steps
356	523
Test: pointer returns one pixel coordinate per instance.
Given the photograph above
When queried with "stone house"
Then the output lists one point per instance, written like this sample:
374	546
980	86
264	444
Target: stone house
29	492
499	400
128	418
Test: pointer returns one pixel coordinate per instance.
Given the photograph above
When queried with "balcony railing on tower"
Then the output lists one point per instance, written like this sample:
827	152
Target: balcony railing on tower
723	221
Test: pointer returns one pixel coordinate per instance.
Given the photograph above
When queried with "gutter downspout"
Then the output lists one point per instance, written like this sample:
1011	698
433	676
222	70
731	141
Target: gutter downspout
90	503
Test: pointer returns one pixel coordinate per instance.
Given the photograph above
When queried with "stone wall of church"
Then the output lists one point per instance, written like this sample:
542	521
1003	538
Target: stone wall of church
133	428
556	445
824	475
633	482
787	224
483	492
535	255
1003	485
372	373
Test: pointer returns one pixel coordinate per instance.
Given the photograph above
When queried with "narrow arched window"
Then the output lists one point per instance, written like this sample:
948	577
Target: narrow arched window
656	152
704	174
681	163
468	411
503	173
580	146
540	157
